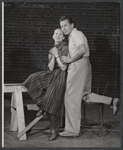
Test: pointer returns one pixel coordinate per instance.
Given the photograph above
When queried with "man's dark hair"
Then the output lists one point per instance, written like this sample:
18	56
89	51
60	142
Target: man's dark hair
66	18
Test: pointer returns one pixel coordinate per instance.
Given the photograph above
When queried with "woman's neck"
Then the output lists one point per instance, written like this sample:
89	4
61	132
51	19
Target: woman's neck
58	42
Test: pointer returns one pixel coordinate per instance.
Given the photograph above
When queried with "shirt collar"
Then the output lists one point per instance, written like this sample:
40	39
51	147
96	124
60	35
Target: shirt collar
74	29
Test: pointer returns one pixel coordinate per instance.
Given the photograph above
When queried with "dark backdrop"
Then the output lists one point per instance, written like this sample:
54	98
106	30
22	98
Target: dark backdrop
28	29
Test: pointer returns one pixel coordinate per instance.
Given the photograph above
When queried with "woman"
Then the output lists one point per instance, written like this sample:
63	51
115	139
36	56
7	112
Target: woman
47	87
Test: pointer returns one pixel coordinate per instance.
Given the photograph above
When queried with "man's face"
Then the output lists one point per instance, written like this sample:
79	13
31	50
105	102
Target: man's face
66	27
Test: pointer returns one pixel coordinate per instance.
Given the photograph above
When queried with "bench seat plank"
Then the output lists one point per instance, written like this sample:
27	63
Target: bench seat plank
9	88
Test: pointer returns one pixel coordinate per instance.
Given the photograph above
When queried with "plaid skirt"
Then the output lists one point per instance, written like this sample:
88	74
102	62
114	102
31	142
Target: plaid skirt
47	89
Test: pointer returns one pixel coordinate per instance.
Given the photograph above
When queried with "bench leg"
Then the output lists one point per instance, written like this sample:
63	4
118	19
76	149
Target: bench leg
13	125
30	126
20	111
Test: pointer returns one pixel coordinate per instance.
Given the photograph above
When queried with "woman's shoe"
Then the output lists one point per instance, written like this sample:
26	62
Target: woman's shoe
39	113
53	135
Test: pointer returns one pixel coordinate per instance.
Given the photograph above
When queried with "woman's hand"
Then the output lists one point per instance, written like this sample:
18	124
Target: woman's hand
54	51
49	56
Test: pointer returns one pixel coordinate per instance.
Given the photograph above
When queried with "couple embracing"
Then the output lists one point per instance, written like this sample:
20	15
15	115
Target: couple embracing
59	90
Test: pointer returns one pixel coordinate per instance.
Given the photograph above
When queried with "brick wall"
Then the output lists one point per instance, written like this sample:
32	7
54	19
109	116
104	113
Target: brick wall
28	37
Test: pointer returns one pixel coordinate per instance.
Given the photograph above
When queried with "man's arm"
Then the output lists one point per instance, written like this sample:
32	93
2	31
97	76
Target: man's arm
81	51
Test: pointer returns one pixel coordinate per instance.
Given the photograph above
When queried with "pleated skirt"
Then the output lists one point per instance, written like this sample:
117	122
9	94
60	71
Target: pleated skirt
47	89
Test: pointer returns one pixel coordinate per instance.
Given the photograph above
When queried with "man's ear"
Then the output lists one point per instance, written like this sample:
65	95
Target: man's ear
72	25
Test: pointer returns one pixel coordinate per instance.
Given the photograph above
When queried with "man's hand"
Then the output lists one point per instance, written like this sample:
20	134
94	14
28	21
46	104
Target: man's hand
66	59
54	51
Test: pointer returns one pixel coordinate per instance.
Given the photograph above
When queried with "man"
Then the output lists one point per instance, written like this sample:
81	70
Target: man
78	79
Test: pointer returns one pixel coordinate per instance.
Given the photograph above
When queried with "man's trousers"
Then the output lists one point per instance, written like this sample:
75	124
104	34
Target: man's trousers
78	84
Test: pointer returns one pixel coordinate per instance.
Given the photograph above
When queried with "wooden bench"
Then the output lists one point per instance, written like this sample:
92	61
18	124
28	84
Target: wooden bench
17	110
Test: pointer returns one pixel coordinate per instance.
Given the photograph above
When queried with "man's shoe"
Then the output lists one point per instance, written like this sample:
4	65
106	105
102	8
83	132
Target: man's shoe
68	134
116	103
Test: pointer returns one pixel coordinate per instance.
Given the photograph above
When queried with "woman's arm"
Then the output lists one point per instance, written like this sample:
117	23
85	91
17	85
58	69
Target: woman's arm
61	65
51	62
55	53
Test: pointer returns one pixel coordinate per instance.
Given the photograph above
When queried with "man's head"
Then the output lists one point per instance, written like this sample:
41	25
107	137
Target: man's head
66	24
58	35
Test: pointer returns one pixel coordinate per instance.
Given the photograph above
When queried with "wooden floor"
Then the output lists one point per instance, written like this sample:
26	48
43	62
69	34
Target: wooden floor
38	136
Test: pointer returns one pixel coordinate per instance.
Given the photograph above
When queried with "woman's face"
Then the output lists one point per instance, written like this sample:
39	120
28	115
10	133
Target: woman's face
58	35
